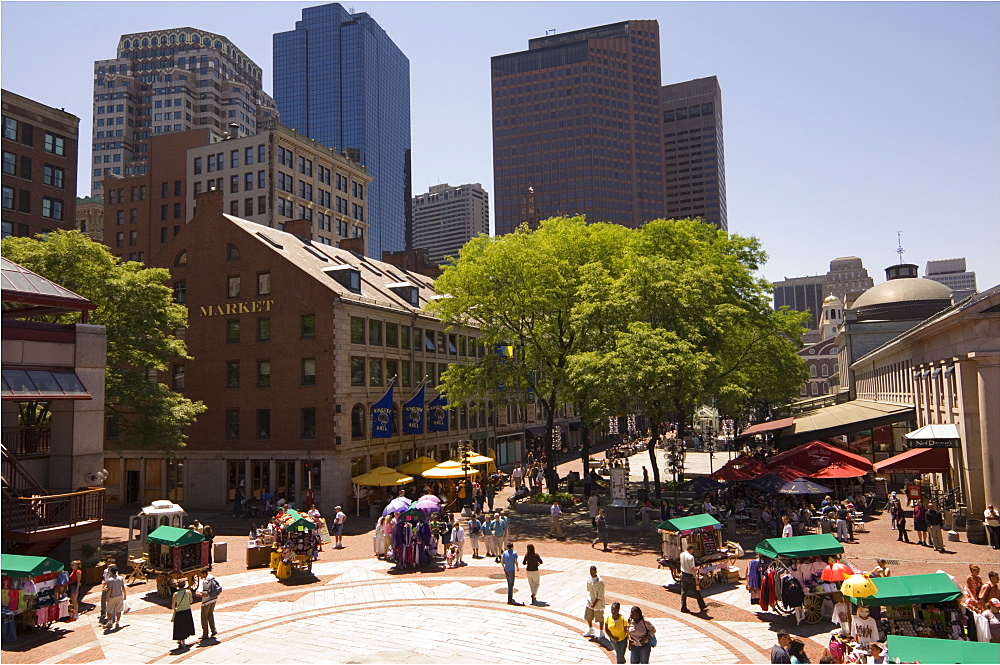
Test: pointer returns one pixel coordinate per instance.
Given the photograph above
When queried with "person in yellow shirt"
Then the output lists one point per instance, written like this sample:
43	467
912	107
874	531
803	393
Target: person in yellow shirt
617	629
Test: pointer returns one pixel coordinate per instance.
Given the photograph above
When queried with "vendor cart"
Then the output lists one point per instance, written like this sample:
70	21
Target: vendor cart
174	554
711	554
295	541
783	552
918	606
34	594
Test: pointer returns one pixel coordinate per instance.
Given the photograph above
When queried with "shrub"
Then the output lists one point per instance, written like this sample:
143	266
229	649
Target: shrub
565	499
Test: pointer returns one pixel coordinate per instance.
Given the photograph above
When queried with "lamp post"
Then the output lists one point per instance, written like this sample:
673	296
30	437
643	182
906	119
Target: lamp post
465	449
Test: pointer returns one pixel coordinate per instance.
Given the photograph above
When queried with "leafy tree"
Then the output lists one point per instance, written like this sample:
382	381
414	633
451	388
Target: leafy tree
523	291
140	318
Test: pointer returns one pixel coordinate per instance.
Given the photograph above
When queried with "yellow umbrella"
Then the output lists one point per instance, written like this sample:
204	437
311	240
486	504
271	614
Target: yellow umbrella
382	476
417	466
475	458
858	586
448	470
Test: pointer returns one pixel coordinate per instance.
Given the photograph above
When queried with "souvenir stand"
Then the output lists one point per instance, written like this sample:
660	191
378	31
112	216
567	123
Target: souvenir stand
918	606
412	540
710	552
295	542
902	649
176	554
260	544
795	557
34	593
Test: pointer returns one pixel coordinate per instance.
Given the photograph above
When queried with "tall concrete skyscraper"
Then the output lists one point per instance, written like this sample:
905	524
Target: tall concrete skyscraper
164	81
577	127
340	80
446	217
694	159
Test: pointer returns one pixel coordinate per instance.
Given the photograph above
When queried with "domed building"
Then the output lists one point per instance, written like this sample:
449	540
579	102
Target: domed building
884	312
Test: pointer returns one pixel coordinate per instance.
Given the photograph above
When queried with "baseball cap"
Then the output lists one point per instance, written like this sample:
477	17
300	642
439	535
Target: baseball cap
995	602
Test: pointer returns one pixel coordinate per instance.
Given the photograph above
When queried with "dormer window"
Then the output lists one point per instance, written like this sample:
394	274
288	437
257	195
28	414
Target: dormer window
346	275
406	291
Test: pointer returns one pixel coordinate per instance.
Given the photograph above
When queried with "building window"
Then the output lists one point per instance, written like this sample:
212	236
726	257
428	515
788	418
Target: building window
392	335
405	374
391	368
309	423
9	128
233	374
357	330
404	338
308	371
233	290
112	427
308	325
375	333
51	175
812	370
375	372
232	424
232	252
358	421
55	144
263	373
52	208
264	424
177	378
180	291
357	371
263	283
263	330
233	331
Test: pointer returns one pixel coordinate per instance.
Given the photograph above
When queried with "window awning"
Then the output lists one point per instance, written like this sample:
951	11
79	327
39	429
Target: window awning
845	418
35	384
933	436
769	426
917	460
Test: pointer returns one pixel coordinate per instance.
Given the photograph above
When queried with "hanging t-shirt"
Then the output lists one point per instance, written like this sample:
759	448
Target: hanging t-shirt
864	631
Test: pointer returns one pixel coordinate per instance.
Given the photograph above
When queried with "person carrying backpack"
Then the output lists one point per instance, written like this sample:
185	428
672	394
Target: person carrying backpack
210	590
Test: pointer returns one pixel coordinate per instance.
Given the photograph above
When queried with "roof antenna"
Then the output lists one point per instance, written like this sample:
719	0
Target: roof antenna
899	246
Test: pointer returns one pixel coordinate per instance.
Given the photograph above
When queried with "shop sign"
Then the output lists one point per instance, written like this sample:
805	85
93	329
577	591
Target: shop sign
617	482
237	308
932	443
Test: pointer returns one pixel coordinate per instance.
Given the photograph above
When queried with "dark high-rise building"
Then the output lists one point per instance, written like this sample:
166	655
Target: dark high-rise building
694	159
577	127
340	80
166	81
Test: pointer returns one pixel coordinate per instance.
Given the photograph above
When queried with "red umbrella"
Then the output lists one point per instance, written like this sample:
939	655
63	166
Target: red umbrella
836	572
838	470
788	472
730	473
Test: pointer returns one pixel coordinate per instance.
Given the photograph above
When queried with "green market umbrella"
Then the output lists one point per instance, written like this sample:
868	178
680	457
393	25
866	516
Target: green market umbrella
911	590
817	544
930	650
174	537
690	523
20	565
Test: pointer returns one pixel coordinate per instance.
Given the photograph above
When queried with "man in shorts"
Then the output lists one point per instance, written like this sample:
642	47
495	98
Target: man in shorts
338	528
595	604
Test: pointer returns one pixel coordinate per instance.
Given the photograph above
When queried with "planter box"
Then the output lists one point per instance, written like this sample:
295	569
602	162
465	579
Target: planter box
533	508
91	575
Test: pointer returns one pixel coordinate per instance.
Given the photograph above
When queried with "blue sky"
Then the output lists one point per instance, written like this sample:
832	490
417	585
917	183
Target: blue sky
844	122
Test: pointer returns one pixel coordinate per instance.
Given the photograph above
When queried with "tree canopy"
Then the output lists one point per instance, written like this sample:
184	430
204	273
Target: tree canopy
140	317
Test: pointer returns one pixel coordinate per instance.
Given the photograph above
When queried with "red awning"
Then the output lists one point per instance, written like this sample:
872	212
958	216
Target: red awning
731	473
818	455
770	426
788	472
917	460
839	470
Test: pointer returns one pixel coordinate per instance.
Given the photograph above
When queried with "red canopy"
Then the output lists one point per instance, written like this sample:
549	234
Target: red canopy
731	473
769	426
788	472
817	455
917	460
839	470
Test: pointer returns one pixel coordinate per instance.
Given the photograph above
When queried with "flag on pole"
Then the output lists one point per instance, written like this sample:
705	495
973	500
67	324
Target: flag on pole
382	415
438	414
413	412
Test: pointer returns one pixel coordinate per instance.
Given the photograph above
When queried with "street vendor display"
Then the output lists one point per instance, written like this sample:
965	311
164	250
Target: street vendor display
34	594
413	541
787	575
174	554
296	543
918	606
711	554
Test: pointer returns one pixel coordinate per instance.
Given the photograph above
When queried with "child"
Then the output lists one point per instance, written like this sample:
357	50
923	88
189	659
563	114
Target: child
451	559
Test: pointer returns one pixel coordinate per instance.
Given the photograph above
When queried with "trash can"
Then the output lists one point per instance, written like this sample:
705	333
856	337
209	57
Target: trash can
219	552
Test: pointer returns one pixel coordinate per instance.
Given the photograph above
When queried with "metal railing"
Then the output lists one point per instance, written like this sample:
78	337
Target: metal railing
27	440
18	481
37	513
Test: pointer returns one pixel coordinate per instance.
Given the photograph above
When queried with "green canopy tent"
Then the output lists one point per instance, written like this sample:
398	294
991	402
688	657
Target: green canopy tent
20	565
689	524
930	650
912	590
296	521
173	536
820	544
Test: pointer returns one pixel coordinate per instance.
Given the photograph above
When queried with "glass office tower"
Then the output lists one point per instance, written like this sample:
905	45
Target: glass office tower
340	79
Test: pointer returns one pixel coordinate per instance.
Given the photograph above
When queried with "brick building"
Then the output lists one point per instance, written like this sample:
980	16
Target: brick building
292	342
39	167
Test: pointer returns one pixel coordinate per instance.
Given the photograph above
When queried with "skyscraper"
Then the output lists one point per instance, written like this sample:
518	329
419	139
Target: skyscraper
446	217
340	79
165	81
577	127
953	274
694	159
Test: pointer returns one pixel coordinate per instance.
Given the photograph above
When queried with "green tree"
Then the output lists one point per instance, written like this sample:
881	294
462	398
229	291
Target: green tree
523	291
141	318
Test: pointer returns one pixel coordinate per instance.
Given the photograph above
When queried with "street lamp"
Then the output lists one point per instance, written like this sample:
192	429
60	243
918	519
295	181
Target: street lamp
465	450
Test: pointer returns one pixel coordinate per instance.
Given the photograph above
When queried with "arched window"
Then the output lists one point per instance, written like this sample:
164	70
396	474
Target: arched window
218	44
155	41
196	39
358	421
815	388
173	39
812	371
825	370
182	38
836	367
182	258
232	252
826	387
145	41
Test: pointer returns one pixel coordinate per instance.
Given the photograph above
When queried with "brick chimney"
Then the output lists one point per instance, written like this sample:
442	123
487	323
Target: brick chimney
412	259
356	245
302	228
209	202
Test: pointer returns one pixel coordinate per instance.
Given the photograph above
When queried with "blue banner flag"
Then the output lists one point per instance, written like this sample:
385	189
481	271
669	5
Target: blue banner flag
413	413
437	416
382	415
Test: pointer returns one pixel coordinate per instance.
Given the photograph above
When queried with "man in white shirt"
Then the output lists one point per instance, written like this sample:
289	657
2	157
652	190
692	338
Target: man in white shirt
864	627
458	539
595	604
786	531
689	583
338	528
556	528
517	477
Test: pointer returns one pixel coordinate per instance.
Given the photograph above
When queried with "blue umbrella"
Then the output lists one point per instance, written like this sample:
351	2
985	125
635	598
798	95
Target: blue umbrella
770	483
803	486
700	484
397	505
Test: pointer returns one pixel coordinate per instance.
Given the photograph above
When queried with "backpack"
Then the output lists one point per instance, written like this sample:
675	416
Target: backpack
213	589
